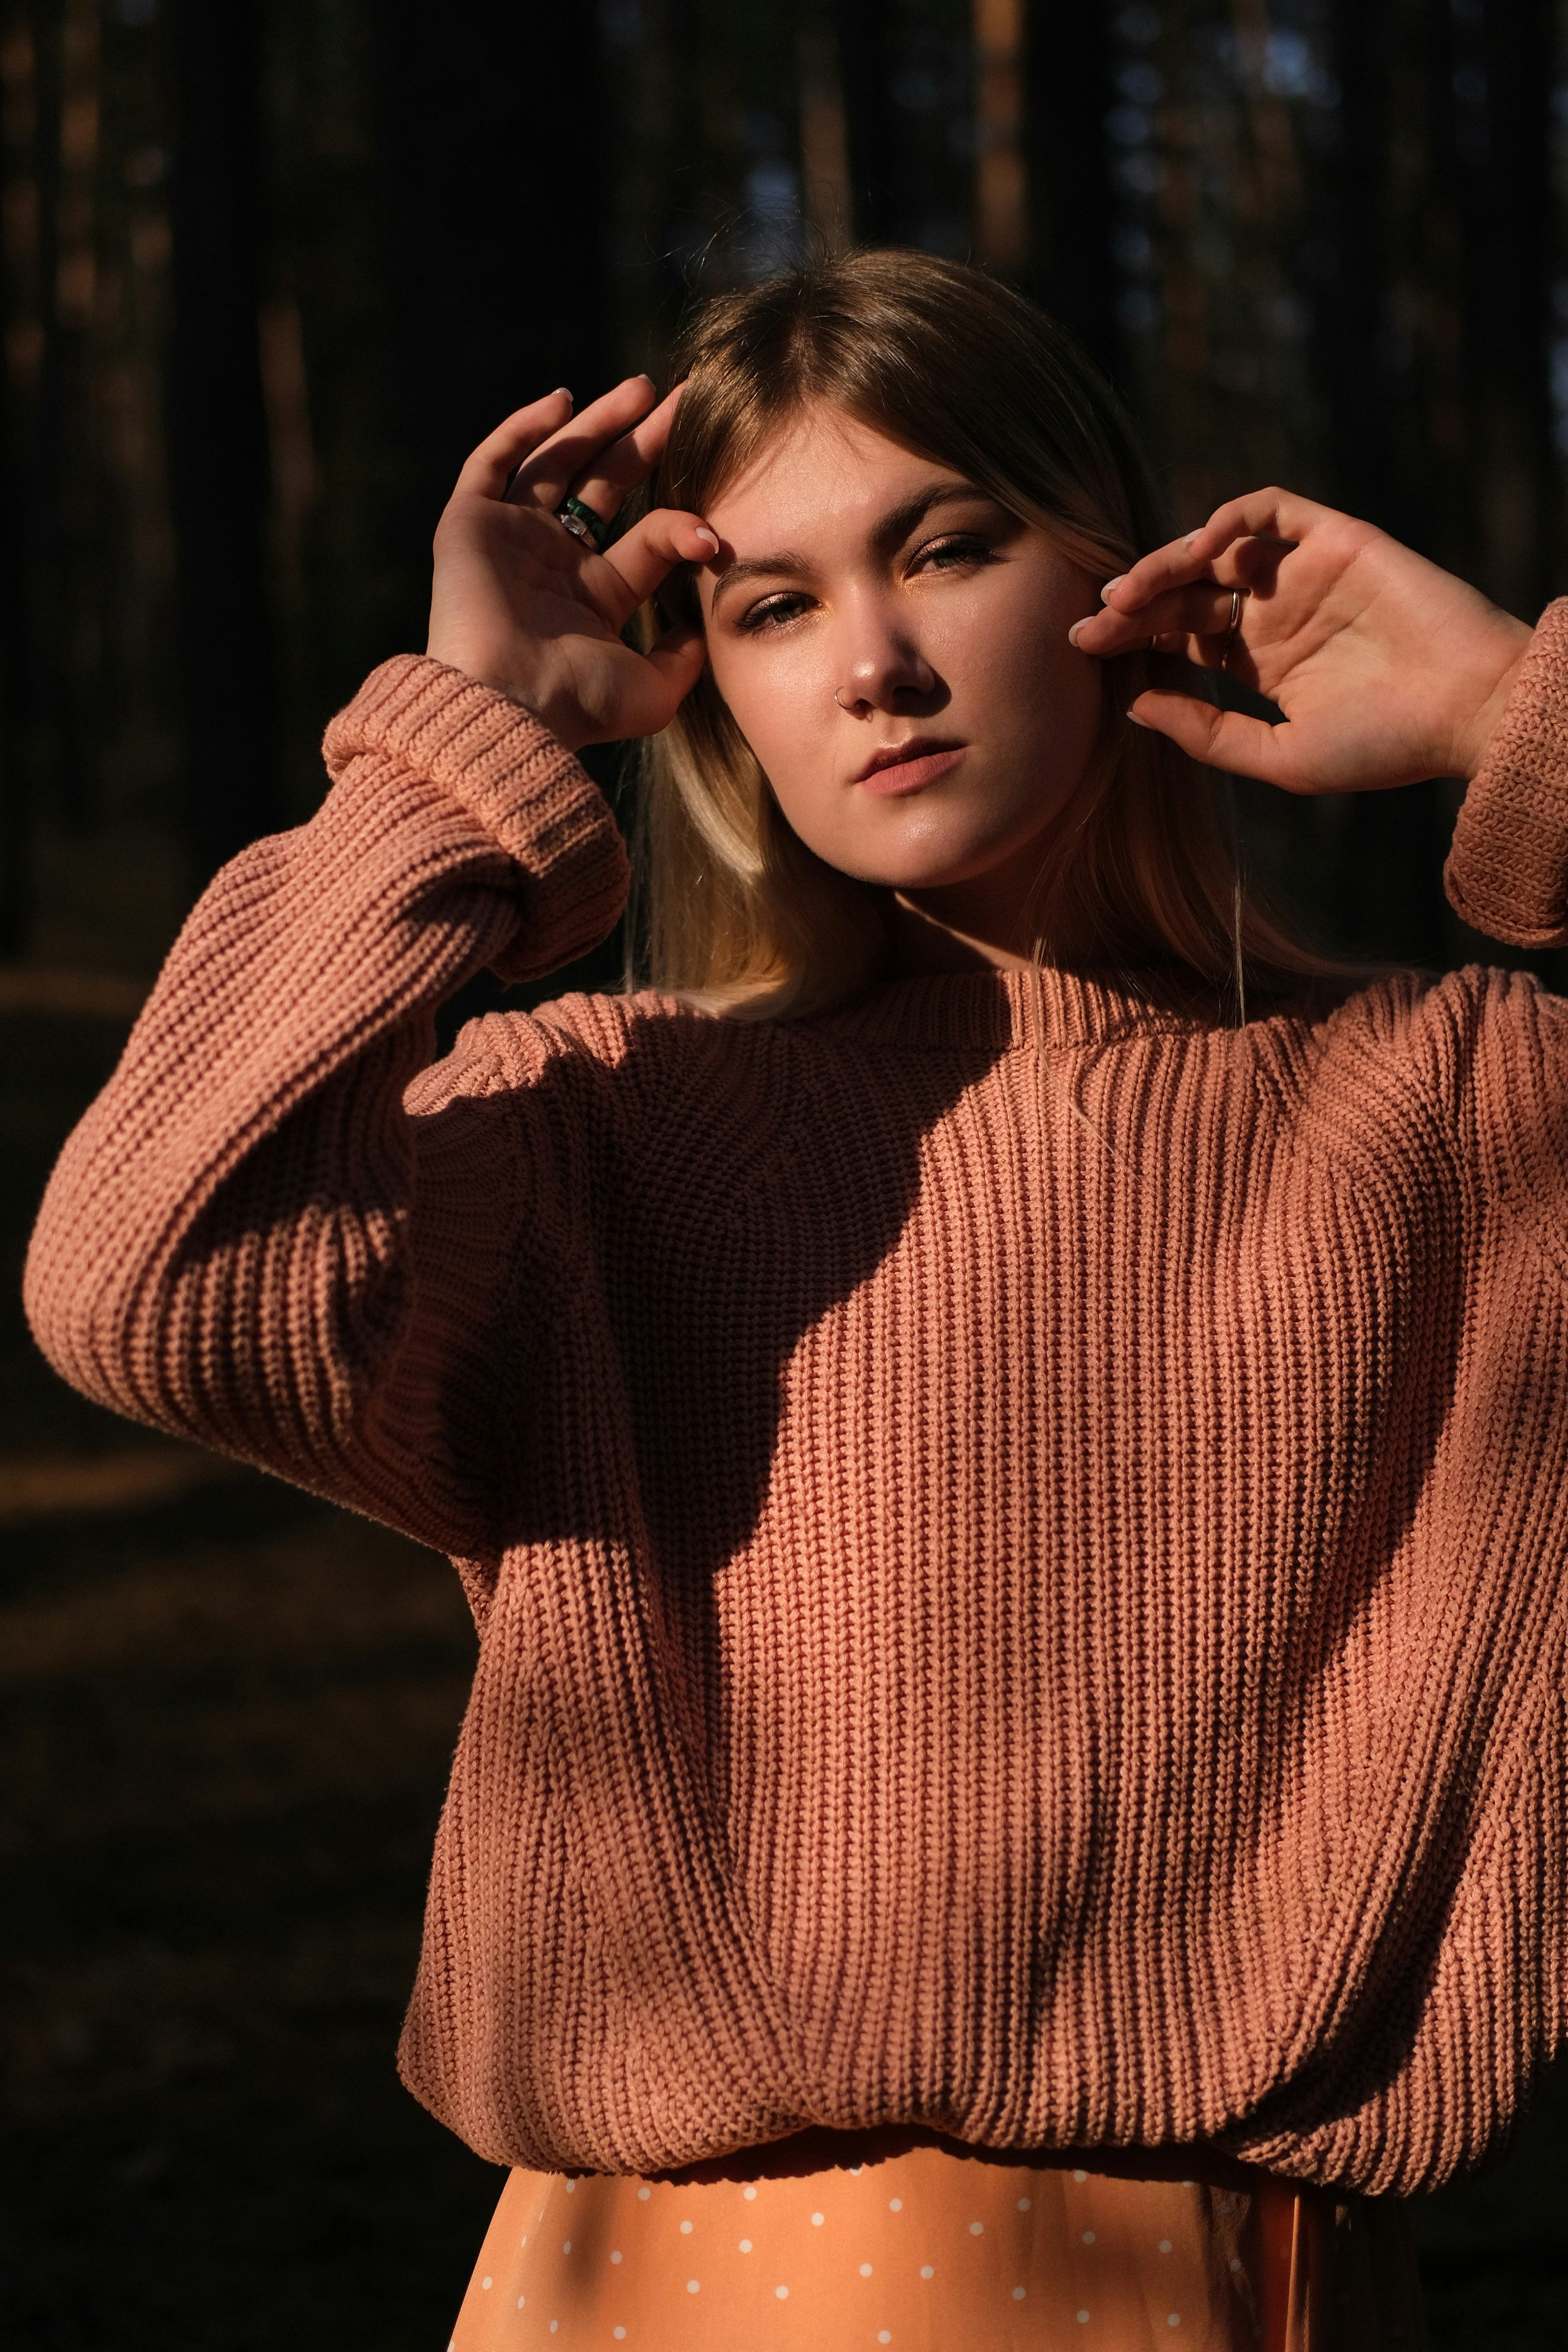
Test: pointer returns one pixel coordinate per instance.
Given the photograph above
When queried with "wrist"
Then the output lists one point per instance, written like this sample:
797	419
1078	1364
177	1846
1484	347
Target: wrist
553	711
1473	736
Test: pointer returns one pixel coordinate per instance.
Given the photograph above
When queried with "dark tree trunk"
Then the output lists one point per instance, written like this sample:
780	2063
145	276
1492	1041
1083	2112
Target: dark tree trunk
218	459
1351	251
685	156
1069	65
25	485
493	171
1397	358
15	748
1510	270
494	166
1442	457
865	63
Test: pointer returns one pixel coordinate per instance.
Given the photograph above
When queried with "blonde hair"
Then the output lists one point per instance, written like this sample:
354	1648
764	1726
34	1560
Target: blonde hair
732	908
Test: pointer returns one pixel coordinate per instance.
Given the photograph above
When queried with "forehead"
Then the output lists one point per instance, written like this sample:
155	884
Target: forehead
821	470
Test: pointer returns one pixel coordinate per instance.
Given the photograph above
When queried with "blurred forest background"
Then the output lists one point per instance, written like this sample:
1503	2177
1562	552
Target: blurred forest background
270	268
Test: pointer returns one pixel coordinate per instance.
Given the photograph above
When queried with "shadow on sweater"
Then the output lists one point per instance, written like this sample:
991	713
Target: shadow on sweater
727	1220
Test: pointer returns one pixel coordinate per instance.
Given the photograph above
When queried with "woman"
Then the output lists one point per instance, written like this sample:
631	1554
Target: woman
1000	1425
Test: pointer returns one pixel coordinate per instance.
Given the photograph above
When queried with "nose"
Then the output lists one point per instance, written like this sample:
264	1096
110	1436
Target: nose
880	665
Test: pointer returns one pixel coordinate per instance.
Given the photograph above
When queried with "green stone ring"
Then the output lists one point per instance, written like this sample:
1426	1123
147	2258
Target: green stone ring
583	524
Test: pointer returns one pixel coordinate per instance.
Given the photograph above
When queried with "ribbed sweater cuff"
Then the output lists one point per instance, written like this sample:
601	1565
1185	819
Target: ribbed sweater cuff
1507	872
521	786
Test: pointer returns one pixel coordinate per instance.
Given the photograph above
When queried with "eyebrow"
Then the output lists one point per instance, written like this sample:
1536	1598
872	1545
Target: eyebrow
890	533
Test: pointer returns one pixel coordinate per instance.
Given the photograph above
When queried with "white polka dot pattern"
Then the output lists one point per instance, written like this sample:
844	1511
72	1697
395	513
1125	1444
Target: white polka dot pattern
832	2261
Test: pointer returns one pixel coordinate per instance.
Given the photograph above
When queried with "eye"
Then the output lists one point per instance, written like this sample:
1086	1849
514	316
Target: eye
772	612
959	548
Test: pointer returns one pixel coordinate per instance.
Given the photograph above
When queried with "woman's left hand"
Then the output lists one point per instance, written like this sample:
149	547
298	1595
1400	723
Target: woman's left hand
1387	669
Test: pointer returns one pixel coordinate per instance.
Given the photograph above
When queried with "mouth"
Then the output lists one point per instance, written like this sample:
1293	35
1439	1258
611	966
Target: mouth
906	767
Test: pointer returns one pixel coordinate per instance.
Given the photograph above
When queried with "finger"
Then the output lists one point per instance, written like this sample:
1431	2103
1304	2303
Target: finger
546	475
654	685
1258	514
646	557
1276	519
486	469
678	656
1221	738
628	461
1203	610
1164	573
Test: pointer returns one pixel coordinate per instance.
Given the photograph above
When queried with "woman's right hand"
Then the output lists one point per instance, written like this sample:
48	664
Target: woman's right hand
523	606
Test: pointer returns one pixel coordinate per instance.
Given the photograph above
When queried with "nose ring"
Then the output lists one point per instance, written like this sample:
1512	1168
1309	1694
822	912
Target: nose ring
842	705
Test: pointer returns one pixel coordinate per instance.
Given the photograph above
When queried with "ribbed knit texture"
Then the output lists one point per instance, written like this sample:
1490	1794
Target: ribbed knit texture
1505	872
1020	1542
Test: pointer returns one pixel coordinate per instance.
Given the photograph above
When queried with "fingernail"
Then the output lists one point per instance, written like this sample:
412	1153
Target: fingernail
1110	584
1136	721
1193	537
561	393
1072	632
710	539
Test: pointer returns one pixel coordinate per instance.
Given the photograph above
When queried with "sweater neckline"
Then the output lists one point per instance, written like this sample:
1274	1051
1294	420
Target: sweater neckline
1017	1010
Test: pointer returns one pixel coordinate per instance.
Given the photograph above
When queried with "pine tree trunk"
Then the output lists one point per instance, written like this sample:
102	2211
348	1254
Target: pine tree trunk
493	207
21	577
218	459
1510	312
1072	202
865	63
1353	239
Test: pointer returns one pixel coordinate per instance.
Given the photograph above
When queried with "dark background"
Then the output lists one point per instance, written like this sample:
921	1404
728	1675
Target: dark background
270	267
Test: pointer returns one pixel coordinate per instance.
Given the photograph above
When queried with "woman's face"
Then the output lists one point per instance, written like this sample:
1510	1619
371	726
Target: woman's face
892	644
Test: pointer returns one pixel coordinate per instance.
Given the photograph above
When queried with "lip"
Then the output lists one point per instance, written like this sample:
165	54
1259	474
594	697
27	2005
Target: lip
908	767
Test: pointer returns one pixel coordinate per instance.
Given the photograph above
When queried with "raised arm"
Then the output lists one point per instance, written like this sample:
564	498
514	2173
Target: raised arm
278	1231
251	1239
1388	669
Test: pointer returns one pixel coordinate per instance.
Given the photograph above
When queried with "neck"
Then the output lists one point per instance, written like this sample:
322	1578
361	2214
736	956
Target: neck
988	925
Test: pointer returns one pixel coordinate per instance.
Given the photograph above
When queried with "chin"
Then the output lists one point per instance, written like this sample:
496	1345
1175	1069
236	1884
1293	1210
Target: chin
924	866
911	874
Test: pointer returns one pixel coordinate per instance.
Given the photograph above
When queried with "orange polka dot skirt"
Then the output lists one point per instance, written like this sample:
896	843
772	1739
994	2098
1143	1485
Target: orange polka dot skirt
924	2251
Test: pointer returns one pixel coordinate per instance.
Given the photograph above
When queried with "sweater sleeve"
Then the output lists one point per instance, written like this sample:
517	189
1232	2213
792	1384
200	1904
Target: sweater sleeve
262	1235
1506	873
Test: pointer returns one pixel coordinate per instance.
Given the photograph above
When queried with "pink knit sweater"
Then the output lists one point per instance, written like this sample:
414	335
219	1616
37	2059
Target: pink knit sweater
1020	1547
